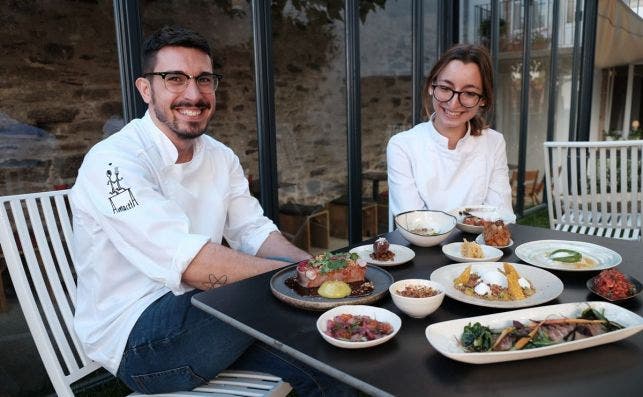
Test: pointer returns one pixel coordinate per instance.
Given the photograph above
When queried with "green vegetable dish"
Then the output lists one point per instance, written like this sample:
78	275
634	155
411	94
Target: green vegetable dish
565	255
536	333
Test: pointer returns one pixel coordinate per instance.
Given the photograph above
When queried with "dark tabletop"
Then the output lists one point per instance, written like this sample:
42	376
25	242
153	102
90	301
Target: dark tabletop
408	365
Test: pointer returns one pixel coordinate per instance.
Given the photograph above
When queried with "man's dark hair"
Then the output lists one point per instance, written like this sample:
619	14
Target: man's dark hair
171	36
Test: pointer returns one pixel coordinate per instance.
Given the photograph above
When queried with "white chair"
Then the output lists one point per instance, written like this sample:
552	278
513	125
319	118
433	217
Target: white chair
595	187
40	240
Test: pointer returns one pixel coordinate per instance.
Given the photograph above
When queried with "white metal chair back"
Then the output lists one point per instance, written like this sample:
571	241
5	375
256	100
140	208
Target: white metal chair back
35	237
595	187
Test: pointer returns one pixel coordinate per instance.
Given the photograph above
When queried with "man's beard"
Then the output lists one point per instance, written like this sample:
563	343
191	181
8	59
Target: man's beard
194	129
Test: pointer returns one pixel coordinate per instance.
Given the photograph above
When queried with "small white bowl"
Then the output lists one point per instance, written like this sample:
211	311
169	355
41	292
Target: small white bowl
376	313
416	307
441	223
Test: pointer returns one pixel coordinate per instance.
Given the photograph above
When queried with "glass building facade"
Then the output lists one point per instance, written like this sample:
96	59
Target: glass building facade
327	82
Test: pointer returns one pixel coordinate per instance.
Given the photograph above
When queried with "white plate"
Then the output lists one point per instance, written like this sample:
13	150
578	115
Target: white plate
373	312
480	240
547	285
402	254
536	253
444	336
452	251
487	212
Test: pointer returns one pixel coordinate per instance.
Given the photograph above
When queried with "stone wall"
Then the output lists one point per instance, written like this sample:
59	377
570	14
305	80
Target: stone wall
60	93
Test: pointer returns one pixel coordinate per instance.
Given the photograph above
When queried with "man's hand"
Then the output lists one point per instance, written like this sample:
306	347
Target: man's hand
276	246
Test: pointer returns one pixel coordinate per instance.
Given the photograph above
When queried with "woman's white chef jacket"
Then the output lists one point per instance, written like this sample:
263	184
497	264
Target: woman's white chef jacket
139	220
424	174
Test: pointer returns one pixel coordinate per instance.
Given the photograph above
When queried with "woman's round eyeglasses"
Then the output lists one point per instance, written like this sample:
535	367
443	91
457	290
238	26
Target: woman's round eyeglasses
177	82
467	99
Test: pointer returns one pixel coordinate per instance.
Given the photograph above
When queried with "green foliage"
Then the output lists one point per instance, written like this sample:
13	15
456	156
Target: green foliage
538	218
328	262
328	10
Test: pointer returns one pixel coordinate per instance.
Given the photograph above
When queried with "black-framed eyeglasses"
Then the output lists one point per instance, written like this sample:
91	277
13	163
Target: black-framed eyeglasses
177	82
468	99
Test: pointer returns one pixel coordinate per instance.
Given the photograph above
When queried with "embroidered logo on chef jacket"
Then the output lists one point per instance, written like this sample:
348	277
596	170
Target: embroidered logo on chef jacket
121	198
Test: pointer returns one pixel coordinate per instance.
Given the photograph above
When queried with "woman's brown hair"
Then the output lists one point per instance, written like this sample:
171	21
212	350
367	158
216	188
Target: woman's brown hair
466	53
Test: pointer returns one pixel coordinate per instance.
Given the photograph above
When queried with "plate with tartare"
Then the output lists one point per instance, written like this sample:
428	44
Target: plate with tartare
358	326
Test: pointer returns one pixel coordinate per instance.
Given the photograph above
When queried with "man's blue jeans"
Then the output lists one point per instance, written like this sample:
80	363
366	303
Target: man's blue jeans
175	346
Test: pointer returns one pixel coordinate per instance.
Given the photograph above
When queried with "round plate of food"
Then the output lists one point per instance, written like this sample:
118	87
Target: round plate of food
466	251
470	218
376	325
494	284
305	285
614	286
480	240
573	256
393	255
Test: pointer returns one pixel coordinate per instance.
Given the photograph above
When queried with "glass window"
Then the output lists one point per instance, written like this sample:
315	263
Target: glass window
59	95
310	105
386	89
508	87
229	33
60	91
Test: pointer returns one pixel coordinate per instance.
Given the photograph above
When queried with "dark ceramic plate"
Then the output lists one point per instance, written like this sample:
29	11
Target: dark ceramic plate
380	278
637	288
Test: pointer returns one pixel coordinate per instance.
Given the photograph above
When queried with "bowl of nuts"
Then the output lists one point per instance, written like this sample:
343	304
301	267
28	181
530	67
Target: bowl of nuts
417	297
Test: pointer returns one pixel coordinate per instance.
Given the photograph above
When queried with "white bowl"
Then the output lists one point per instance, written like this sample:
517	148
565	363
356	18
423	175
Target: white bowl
376	313
441	223
416	307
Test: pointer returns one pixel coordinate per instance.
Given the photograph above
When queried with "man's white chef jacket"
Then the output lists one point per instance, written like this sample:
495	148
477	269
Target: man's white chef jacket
139	220
424	174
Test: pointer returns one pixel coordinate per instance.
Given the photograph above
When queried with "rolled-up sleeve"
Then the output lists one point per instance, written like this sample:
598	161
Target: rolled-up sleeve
150	231
246	226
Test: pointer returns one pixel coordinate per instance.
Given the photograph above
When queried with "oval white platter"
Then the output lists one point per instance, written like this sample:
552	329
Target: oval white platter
444	336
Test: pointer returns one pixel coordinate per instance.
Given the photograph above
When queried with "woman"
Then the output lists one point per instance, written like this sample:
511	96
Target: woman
454	159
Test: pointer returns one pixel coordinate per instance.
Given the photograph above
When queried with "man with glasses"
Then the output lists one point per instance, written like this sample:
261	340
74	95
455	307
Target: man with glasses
151	207
454	159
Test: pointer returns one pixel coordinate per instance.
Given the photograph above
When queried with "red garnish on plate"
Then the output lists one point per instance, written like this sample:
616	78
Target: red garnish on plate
613	284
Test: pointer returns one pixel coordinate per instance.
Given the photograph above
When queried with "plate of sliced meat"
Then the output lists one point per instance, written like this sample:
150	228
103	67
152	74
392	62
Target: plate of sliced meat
310	284
534	332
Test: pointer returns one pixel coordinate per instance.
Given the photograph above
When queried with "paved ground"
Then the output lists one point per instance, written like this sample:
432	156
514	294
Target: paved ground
21	370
